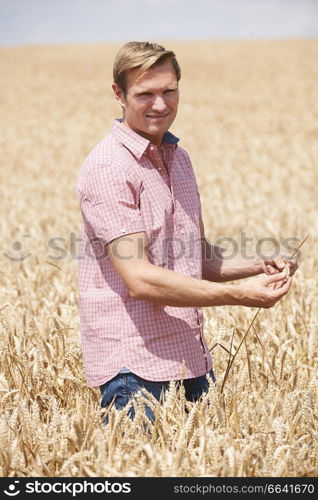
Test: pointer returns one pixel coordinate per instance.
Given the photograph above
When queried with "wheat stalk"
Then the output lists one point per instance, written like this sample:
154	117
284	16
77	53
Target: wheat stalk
254	318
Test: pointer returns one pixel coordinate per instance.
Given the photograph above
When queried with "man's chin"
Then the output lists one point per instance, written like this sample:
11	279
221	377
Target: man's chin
158	128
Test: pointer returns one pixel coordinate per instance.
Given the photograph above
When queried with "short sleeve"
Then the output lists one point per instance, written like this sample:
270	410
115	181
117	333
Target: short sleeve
110	203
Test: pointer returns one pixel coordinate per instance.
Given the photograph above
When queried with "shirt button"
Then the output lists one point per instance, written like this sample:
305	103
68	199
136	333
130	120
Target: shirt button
152	148
181	231
123	230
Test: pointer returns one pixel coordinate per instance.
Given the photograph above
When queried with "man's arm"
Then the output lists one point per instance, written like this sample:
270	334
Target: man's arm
220	266
146	281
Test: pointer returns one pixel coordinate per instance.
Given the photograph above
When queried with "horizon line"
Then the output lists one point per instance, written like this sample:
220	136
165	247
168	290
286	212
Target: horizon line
172	40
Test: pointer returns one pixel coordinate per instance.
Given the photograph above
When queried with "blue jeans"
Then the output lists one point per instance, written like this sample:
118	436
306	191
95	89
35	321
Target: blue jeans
121	389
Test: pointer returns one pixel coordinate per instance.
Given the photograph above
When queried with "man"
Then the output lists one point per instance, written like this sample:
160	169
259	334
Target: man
147	269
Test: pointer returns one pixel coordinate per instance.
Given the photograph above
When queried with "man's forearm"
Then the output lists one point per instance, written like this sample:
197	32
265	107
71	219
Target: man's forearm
220	266
167	287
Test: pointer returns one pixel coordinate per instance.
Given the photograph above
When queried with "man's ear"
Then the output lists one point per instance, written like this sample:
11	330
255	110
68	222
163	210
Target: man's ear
119	95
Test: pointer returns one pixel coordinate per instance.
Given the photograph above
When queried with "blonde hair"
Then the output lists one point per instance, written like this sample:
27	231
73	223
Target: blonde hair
141	55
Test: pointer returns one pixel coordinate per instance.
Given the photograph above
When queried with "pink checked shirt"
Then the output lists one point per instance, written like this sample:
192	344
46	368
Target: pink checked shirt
123	188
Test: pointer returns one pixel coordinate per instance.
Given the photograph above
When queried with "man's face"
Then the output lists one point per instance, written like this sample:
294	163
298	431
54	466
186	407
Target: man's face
151	101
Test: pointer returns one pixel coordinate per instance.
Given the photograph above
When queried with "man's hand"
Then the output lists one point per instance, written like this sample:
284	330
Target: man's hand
259	291
276	265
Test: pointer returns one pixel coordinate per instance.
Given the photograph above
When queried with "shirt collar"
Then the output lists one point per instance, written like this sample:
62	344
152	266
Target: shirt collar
135	142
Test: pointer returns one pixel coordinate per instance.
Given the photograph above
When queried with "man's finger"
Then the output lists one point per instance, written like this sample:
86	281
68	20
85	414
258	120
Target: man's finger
271	269
280	264
278	292
293	266
273	278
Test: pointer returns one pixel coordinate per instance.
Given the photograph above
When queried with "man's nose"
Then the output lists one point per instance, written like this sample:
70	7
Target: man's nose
159	104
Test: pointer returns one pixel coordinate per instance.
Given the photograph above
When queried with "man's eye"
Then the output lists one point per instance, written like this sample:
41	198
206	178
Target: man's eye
144	94
169	90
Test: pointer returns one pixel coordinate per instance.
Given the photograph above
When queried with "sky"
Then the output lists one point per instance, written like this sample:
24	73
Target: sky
89	21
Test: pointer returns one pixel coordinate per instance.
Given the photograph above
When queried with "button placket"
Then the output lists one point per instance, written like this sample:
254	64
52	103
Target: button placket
157	161
166	168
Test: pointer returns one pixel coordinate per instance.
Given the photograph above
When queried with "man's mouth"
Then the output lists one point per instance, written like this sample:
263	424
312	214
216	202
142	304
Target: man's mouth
157	117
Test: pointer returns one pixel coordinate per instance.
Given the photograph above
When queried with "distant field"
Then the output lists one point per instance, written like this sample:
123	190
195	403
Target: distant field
249	119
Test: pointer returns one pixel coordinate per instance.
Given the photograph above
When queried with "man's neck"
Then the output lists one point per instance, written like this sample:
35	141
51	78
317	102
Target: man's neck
155	140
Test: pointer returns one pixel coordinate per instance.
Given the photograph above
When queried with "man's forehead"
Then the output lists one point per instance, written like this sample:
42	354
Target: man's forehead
162	72
140	86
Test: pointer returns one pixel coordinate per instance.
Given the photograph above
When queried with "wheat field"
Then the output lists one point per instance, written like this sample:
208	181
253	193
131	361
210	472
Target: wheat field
248	117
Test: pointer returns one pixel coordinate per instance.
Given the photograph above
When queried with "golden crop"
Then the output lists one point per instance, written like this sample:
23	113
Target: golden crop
249	119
